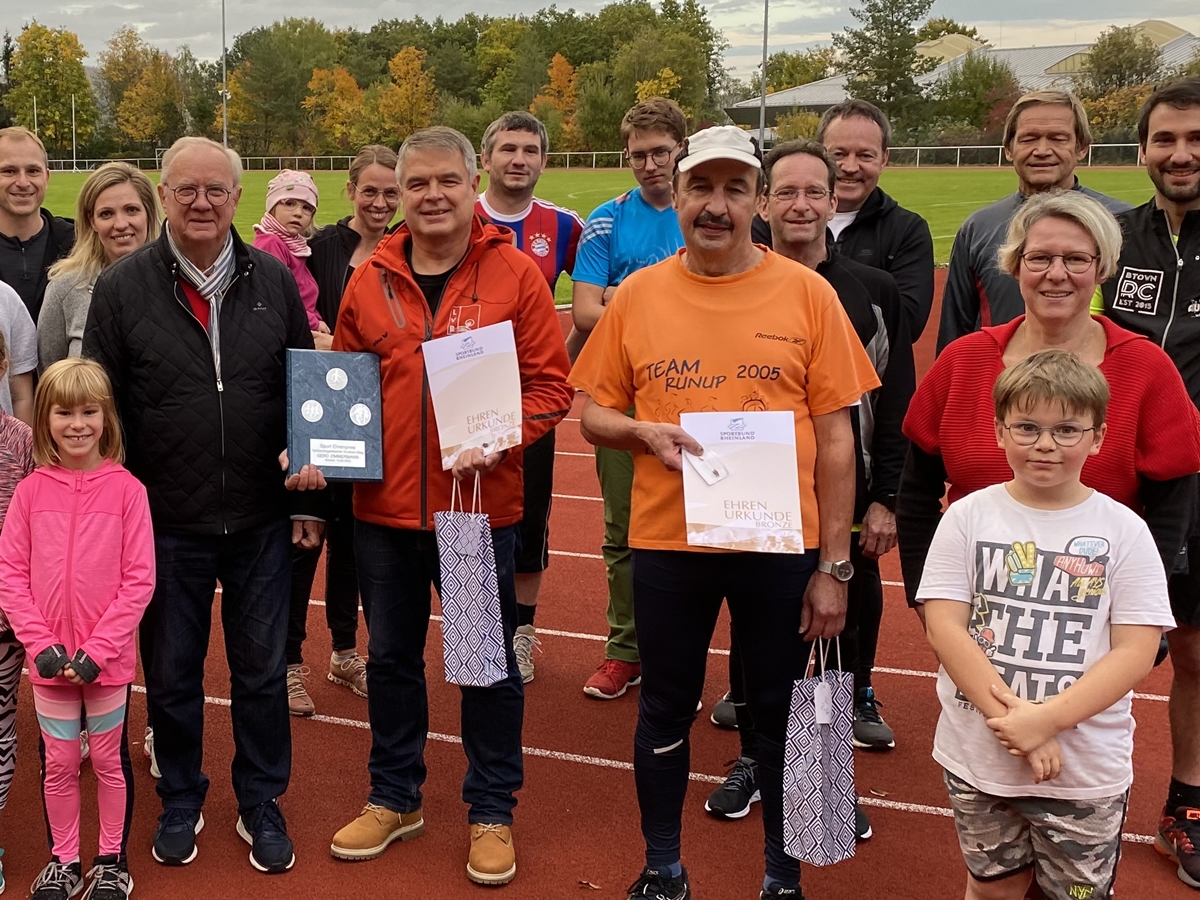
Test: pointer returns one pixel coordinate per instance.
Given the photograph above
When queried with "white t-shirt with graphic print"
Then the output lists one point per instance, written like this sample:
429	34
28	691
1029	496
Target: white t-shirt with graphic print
1045	585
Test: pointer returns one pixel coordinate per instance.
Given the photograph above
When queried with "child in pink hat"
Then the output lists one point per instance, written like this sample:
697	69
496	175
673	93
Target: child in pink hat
284	230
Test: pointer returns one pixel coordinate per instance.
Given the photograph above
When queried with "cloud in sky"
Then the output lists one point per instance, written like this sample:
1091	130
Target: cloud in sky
795	24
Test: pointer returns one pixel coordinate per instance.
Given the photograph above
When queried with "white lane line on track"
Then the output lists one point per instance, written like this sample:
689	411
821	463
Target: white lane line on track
569	453
577	497
602	762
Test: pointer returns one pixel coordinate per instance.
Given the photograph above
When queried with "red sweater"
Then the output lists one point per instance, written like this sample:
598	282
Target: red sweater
1153	426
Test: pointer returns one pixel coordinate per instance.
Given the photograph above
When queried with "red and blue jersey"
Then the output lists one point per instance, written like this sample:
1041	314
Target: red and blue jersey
547	234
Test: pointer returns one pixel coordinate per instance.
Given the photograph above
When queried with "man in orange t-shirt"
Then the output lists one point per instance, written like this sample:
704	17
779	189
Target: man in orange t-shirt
723	326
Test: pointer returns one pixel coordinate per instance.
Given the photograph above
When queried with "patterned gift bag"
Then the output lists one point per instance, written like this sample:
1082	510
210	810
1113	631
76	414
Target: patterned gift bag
818	765
472	631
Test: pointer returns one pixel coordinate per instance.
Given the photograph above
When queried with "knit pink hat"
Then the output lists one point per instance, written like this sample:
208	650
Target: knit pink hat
293	184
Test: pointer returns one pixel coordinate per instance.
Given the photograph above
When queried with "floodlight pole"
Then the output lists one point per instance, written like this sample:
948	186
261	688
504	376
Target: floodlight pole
35	128
224	85
762	103
74	156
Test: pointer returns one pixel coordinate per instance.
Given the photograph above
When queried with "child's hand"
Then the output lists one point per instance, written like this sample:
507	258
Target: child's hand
1025	727
1046	761
68	672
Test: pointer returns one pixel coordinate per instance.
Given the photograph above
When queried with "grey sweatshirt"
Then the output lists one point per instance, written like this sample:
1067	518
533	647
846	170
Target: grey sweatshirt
977	292
62	319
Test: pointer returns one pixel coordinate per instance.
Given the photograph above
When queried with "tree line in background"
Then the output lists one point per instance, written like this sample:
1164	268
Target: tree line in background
969	103
298	87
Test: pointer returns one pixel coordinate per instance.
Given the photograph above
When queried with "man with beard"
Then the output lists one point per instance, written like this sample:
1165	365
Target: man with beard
514	156
1157	293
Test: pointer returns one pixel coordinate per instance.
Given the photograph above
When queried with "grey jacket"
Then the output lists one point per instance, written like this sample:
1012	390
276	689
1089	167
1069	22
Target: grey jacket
977	293
62	319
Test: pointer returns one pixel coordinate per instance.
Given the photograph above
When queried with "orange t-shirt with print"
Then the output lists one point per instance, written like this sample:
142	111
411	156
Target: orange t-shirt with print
771	338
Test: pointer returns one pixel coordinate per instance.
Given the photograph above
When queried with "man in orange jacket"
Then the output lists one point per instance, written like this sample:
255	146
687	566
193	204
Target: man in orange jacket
441	272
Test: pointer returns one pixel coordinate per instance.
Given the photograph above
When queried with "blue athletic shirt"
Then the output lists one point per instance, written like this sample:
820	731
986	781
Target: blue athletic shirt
624	235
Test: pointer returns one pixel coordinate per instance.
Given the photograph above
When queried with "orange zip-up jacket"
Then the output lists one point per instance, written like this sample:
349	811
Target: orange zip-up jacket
384	312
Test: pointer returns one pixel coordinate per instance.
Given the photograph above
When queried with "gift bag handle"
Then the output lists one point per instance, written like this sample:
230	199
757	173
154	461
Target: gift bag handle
456	501
824	645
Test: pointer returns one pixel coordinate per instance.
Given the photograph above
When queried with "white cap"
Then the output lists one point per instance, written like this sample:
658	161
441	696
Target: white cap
720	142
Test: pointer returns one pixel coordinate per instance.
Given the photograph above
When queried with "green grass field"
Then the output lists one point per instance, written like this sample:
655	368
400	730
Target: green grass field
943	196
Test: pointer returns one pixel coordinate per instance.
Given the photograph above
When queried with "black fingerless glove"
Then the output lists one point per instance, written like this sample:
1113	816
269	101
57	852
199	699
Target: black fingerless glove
84	666
51	660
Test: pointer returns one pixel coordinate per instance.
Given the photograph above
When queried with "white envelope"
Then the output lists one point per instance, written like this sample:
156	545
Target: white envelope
476	390
757	505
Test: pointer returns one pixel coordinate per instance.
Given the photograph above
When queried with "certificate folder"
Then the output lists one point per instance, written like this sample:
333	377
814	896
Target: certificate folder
334	414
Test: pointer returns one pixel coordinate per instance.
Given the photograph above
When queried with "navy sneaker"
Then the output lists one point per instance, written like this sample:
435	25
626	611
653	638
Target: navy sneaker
778	890
265	831
654	884
175	837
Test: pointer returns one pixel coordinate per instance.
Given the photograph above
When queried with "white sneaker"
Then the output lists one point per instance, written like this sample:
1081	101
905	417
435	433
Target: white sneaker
85	749
148	749
524	640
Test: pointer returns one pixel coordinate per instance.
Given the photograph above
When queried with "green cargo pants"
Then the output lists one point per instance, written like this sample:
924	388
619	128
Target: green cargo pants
615	470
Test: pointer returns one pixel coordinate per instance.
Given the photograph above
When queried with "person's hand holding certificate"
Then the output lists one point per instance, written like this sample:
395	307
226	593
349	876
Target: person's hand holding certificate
476	390
743	493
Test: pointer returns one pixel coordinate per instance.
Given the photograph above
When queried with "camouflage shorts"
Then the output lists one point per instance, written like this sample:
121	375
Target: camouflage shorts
1071	845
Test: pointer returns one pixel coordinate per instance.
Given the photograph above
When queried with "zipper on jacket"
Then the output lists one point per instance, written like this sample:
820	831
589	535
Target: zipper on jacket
425	401
69	574
1178	273
216	357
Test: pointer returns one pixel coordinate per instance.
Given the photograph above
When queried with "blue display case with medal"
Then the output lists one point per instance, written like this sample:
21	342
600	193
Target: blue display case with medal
334	414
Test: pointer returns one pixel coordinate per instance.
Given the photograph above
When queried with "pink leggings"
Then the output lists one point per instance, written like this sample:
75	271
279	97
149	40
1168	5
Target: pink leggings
58	709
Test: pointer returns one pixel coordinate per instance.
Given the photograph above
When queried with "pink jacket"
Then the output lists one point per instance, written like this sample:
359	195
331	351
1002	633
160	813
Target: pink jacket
269	243
77	566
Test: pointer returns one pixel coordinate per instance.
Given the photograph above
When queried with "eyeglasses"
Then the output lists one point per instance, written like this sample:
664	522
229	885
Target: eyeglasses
661	157
216	196
1065	434
1076	263
789	195
370	194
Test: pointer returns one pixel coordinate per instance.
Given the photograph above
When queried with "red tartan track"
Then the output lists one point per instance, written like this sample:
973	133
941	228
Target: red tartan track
576	826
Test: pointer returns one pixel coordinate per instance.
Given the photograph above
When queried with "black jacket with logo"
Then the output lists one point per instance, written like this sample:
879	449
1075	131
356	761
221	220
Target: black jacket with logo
1156	291
205	443
332	248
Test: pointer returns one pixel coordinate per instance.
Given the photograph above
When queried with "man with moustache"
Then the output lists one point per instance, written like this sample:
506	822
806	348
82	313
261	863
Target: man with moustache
514	156
1045	135
1157	293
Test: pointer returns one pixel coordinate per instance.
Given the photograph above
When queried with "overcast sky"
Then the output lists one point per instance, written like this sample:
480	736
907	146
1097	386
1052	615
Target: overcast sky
794	23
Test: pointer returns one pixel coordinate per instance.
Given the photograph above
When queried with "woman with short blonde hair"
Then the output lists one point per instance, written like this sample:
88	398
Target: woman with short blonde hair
1060	247
116	213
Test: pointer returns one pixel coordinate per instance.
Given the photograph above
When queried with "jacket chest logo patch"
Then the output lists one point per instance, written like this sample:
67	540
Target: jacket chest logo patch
464	318
259	306
1138	290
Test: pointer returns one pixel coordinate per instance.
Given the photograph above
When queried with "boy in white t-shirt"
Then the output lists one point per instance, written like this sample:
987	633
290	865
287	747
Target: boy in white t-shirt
1045	601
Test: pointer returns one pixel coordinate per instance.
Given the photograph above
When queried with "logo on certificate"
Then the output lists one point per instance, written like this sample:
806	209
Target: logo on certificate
468	349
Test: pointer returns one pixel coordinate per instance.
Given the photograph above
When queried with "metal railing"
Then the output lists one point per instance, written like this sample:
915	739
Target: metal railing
991	156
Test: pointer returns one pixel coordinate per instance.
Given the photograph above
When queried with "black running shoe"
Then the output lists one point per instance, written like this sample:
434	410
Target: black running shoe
110	879
776	890
1179	838
870	731
175	837
733	798
57	882
862	825
653	884
265	831
724	714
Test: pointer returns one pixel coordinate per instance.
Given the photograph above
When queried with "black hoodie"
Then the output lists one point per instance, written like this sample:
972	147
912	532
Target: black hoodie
60	238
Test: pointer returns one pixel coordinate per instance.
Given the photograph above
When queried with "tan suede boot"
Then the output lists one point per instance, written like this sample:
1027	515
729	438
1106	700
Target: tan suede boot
493	858
376	827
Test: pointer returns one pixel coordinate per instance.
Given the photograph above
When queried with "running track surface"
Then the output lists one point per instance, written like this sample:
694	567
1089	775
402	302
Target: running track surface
576	826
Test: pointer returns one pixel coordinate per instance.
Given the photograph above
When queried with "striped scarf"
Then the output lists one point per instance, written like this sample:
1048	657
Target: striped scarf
212	286
295	243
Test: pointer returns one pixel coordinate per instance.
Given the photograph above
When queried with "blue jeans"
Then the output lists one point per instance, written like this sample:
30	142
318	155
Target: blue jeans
254	568
396	568
676	598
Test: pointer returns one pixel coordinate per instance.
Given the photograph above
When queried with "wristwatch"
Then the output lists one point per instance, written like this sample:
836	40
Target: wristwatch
840	569
887	501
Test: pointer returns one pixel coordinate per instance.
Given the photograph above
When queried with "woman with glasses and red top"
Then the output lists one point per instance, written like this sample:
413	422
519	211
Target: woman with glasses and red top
1060	247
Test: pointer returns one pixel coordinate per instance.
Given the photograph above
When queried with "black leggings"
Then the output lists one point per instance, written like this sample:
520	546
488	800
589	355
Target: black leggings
341	581
860	639
677	596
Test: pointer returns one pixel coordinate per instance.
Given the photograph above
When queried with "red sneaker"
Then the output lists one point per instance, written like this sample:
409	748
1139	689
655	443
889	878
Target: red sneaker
612	679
